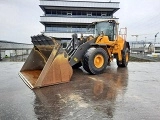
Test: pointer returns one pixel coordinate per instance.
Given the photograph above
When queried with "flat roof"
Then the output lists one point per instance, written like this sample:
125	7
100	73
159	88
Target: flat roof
50	4
98	1
4	41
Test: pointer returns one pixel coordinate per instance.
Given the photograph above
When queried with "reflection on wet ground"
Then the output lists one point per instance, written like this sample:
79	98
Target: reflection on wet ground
86	96
119	93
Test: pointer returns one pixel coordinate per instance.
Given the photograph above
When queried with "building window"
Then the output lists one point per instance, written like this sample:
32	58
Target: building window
89	13
59	12
49	29
78	12
54	12
69	28
109	14
69	12
74	13
98	13
64	12
94	13
103	14
48	11
83	13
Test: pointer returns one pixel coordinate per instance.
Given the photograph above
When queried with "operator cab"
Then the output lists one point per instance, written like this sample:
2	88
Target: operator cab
107	28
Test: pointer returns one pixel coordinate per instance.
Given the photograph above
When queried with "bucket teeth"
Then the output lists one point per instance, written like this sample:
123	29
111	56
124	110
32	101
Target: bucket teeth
47	64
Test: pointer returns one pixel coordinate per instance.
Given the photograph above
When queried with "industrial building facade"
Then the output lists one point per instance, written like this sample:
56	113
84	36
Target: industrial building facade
11	49
62	18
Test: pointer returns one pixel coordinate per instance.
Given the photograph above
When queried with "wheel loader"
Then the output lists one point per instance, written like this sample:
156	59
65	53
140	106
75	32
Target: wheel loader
49	64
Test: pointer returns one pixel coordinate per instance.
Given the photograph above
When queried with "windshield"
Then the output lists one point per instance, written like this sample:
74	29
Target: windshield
106	28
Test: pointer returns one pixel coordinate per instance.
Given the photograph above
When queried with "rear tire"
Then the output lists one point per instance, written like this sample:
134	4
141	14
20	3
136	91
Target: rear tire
125	58
95	60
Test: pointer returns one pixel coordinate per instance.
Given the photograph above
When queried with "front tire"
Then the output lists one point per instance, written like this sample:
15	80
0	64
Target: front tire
95	60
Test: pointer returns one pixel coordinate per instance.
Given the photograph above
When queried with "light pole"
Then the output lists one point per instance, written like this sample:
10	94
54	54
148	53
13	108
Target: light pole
155	37
135	36
155	40
145	40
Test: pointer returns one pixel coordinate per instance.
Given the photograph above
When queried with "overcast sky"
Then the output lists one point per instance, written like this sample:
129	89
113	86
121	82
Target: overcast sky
19	19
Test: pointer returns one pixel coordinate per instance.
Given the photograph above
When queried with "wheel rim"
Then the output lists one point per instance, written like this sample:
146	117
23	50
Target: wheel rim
98	61
127	57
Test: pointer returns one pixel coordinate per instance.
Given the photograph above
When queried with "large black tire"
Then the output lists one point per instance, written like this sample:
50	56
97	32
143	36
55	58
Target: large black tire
95	60
125	58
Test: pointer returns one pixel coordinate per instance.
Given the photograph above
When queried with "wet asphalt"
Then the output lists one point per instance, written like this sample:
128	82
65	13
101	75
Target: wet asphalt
131	93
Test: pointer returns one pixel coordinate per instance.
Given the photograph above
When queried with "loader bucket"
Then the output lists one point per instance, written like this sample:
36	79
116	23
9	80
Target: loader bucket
47	64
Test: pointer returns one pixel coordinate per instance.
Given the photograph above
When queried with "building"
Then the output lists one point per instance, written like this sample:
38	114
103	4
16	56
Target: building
10	49
157	48
62	18
141	47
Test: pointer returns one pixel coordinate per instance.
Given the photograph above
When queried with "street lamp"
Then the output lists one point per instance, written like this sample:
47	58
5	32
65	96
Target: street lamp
145	39
135	36
155	37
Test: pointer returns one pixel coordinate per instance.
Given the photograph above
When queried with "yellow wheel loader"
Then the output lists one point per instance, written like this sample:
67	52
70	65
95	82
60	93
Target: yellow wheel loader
49	64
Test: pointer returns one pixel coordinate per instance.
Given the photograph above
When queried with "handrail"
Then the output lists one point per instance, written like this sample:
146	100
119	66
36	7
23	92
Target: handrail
123	33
